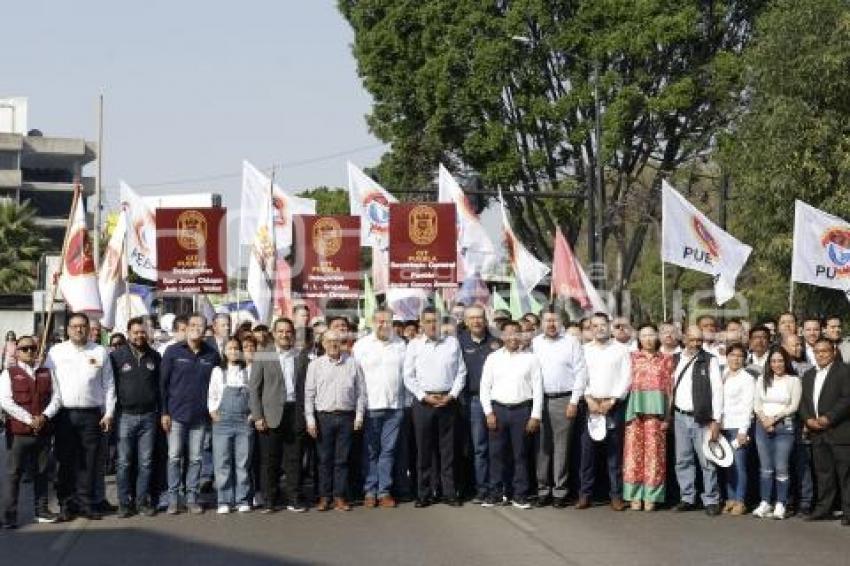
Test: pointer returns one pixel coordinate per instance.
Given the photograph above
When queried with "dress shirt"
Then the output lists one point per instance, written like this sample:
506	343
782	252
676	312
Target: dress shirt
7	401
434	365
738	393
820	378
684	399
287	367
562	362
781	399
334	385
810	354
234	376
83	375
609	370
382	364
511	378
757	363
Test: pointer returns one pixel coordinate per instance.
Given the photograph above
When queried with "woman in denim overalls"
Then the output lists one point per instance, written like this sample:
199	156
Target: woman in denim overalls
232	430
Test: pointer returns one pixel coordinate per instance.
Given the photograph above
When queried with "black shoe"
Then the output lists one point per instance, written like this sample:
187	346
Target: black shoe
10	524
296	506
845	521
422	503
560	503
544	501
479	499
105	507
92	515
454	502
46	516
147	510
819	517
124	512
684	507
712	509
206	486
804	511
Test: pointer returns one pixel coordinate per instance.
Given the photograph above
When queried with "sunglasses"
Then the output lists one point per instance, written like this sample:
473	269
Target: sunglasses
27	348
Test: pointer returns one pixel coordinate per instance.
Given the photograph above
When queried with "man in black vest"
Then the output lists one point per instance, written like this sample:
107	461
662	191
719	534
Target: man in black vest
136	370
29	397
697	407
825	411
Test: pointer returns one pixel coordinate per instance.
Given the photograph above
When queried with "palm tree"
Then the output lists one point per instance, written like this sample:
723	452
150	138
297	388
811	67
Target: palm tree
21	245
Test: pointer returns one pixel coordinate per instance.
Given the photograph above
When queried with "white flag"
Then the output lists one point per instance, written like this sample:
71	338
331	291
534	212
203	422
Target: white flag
78	282
371	202
528	270
141	233
112	280
261	262
821	248
255	191
474	246
691	240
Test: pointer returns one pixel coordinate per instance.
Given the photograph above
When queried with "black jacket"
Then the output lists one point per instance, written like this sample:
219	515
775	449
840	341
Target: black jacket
136	380
834	403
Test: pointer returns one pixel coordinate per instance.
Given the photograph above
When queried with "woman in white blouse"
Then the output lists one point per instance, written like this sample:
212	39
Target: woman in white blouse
228	404
738	392
778	393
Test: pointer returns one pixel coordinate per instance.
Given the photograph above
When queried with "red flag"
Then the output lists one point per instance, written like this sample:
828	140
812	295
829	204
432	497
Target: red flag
566	279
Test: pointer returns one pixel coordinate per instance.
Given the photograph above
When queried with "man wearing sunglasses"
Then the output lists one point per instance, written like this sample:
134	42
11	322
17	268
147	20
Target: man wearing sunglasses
28	394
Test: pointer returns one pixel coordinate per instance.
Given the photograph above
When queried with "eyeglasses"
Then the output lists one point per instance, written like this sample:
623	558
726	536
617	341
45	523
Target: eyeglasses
27	348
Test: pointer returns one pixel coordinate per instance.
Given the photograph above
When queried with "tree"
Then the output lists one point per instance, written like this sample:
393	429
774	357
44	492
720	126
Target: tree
328	200
21	244
793	141
506	89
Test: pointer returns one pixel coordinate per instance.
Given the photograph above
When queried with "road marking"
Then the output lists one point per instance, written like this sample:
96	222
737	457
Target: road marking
64	543
529	531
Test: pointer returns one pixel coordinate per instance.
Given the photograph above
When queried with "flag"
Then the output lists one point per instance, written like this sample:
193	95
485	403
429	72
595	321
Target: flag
261	261
528	270
821	248
569	280
78	282
370	302
137	301
112	280
371	202
141	233
691	240
380	270
439	304
475	248
473	291
521	302
596	302
406	304
498	303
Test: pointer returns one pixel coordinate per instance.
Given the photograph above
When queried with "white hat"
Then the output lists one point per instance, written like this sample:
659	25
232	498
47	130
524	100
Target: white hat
597	427
719	452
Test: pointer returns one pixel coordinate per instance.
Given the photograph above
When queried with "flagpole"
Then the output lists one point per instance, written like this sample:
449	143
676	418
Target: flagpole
49	319
273	282
98	195
791	297
664	291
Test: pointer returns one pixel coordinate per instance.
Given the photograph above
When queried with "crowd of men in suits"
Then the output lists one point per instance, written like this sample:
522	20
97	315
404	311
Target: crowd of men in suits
454	409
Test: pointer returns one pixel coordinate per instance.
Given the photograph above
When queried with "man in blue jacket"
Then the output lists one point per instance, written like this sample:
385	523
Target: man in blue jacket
186	369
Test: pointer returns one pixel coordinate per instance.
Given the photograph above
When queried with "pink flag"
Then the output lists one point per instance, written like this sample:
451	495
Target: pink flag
566	280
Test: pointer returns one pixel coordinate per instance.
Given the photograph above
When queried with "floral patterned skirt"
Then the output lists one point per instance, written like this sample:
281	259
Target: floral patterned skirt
645	459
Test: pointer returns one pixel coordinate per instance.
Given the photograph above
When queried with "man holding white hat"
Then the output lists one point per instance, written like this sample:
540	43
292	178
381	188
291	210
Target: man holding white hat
609	375
697	408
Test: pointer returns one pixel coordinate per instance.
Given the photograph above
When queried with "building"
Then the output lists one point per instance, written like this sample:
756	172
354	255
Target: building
41	169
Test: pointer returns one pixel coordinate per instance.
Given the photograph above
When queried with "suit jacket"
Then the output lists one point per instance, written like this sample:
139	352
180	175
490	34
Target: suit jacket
268	388
834	402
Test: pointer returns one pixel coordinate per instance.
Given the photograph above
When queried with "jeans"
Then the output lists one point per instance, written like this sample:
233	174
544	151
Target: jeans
335	432
736	474
381	437
775	460
232	440
613	445
136	434
689	438
404	467
510	443
480	445
185	439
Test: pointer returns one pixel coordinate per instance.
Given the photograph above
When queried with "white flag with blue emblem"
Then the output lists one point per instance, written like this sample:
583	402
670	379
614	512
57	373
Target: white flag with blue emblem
371	202
821	248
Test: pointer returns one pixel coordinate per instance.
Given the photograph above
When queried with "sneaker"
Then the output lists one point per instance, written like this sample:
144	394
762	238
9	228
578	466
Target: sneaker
172	509
296	507
492	501
763	510
46	516
779	511
243	508
222	509
195	509
479	499
521	503
147	510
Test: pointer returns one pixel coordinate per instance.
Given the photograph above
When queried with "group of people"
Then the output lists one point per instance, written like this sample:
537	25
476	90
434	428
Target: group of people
438	409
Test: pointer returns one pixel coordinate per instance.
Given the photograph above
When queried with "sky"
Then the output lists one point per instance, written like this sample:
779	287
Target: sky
192	88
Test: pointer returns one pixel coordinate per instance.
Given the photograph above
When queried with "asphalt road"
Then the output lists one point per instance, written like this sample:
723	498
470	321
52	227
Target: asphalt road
433	536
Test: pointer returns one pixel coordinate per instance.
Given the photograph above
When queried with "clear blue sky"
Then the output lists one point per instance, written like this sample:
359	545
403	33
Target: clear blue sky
191	88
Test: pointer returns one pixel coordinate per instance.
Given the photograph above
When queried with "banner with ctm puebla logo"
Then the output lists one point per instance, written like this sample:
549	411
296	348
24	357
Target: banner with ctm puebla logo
327	257
423	245
821	248
191	250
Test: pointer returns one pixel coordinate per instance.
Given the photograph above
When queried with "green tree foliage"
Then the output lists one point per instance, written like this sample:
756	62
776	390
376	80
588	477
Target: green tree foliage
21	246
328	200
507	89
793	142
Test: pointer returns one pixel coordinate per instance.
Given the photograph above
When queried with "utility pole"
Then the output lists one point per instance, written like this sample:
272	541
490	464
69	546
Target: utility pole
597	189
97	181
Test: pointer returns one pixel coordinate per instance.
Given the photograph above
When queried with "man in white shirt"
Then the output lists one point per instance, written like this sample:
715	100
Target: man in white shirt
698	409
624	332
87	391
609	375
434	373
30	398
759	343
811	334
380	356
561	359
669	336
512	400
